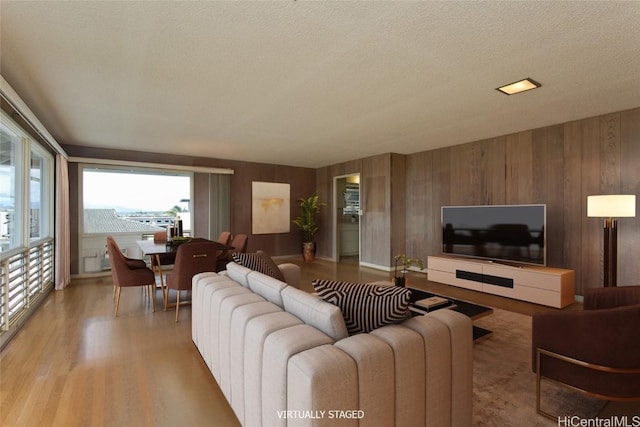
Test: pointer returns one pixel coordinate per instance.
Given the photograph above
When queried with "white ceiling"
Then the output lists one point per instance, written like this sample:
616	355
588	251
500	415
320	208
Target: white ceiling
313	83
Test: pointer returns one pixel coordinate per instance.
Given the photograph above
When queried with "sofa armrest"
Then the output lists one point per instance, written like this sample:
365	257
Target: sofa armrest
291	273
598	298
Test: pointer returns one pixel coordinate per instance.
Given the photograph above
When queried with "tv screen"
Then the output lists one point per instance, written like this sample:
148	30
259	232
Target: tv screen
512	233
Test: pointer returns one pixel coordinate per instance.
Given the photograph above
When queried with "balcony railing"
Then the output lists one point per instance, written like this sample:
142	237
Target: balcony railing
25	277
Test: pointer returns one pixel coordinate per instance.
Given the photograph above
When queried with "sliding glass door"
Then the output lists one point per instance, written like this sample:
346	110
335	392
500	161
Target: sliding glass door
26	222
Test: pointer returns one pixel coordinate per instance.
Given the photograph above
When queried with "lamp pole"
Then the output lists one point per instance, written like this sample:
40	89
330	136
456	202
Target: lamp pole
610	252
610	206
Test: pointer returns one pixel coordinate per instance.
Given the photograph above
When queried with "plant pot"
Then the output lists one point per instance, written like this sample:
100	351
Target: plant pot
399	281
309	251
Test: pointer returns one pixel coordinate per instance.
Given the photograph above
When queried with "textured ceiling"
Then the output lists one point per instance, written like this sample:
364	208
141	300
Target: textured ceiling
313	83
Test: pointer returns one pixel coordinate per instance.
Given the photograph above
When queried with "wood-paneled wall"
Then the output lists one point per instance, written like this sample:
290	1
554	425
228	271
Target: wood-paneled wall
401	196
557	165
382	200
324	185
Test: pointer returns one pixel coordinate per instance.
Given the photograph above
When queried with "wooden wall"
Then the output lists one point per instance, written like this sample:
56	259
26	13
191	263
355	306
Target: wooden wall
401	196
557	165
382	200
302	181
324	185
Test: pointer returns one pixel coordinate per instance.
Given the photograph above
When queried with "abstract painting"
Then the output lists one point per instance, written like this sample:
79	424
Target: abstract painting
270	206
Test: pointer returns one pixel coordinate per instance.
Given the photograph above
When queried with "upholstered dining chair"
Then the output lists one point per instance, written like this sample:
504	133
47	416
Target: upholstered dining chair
160	263
131	262
239	244
165	259
128	272
224	238
595	351
191	259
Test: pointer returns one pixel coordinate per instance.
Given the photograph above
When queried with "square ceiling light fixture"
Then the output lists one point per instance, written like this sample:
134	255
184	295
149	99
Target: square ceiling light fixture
519	86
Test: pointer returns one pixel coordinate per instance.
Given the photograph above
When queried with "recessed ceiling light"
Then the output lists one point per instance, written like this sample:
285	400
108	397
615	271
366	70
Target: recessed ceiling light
519	86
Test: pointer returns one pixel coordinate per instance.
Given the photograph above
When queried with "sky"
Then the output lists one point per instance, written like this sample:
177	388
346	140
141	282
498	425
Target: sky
134	191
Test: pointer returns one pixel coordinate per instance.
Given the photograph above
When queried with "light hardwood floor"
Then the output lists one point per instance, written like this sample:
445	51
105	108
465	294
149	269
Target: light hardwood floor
74	364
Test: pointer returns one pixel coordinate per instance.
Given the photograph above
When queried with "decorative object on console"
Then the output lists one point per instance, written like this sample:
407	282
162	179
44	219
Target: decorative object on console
365	306
609	207
405	263
306	222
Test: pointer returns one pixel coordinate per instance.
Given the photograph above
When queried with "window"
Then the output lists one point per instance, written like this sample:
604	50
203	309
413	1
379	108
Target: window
26	223
129	203
10	190
40	225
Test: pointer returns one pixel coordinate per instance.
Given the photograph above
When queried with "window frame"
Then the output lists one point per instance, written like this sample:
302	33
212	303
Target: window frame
27	266
46	222
88	248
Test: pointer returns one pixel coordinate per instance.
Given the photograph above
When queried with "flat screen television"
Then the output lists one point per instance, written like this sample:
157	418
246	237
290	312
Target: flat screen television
509	233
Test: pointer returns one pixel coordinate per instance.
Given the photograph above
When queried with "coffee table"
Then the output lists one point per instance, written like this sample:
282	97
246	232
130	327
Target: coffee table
470	310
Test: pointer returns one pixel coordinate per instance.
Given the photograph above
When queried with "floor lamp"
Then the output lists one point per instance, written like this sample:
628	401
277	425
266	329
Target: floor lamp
611	206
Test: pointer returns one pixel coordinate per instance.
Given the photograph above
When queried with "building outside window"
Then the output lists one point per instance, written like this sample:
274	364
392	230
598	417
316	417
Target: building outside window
10	190
130	204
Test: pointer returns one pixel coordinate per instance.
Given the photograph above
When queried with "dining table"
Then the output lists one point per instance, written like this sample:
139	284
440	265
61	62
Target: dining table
156	249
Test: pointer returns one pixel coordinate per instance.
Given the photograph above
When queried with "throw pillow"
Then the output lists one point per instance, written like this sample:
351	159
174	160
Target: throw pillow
260	262
365	307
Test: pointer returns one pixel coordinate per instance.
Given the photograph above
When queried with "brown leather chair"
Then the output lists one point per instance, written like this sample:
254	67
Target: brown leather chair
191	259
595	351
239	243
128	272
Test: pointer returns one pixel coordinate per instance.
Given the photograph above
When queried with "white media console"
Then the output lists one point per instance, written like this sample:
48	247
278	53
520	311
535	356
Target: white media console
548	286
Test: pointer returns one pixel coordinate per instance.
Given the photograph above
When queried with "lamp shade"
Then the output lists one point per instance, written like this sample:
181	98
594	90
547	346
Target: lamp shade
611	205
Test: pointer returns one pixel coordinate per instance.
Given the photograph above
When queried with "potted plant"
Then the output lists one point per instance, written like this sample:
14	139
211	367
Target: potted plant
306	222
405	262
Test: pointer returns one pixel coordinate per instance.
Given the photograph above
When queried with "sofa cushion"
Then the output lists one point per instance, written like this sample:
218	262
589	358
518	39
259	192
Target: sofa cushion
365	307
315	312
260	262
267	287
238	273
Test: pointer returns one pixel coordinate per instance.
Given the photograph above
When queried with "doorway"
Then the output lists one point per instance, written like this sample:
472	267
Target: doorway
347	218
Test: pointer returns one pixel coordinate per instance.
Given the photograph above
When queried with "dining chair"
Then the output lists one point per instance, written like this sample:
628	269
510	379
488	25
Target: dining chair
131	262
224	238
165	259
239	243
191	259
160	263
128	272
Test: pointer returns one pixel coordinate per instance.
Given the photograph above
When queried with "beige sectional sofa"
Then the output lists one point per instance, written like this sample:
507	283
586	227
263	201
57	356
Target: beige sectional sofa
282	357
